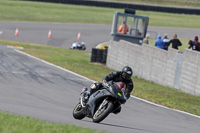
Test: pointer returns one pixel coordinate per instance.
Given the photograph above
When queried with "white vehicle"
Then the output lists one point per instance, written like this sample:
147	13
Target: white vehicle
77	45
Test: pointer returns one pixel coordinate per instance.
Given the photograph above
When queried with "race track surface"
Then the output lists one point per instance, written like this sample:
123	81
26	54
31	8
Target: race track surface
30	87
64	34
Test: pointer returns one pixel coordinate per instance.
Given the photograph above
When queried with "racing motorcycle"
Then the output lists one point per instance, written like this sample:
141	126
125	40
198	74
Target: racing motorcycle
101	103
79	46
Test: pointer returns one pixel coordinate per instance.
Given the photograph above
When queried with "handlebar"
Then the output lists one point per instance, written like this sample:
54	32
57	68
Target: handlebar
115	91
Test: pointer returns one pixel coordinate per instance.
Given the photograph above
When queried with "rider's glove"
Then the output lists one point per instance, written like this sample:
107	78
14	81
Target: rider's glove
105	83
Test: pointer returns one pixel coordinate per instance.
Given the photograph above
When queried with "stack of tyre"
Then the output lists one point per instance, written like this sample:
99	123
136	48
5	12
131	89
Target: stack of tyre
99	55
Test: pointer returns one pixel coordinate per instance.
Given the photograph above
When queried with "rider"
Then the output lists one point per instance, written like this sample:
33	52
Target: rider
118	76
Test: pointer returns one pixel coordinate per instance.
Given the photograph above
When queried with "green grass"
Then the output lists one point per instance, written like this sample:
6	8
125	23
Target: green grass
79	62
50	12
182	3
18	124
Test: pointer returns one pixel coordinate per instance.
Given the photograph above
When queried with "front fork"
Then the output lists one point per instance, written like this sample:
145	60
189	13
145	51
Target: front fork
82	95
101	107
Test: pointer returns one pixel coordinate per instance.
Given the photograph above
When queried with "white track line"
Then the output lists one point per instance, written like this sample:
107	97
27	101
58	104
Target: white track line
165	107
94	81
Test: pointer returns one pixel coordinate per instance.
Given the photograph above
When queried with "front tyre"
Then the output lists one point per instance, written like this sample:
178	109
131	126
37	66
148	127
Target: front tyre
101	114
78	112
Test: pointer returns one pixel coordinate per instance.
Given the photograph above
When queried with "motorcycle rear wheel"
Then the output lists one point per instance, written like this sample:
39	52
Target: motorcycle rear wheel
104	113
78	112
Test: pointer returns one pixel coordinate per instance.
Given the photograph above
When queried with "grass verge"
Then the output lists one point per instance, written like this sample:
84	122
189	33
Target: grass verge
14	10
18	124
79	62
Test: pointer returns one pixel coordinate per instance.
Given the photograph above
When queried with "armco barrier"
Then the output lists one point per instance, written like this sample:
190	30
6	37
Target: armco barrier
168	68
128	5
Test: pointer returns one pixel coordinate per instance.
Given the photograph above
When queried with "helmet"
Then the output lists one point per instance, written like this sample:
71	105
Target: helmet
126	73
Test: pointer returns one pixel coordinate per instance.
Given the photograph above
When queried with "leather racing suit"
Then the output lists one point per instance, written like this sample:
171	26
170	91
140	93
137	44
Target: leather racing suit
117	77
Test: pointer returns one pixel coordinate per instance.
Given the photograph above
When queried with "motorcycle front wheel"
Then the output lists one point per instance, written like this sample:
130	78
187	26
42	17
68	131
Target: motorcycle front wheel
78	112
101	114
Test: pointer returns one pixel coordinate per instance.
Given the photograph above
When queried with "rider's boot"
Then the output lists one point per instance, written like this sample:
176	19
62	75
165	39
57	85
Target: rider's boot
86	94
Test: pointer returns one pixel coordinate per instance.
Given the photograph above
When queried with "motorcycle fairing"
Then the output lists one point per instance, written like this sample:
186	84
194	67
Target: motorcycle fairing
95	98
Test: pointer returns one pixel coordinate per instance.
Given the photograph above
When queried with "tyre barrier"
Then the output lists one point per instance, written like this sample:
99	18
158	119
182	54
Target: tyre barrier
99	55
94	55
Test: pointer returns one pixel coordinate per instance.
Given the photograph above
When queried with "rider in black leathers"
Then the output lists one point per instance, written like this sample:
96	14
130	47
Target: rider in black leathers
117	76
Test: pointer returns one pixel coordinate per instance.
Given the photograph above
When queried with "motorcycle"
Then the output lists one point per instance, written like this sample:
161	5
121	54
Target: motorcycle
79	46
101	103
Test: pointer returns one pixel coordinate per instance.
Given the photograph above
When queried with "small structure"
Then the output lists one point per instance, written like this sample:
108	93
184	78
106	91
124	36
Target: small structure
129	27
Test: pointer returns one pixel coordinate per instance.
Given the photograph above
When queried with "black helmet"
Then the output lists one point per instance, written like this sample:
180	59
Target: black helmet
126	72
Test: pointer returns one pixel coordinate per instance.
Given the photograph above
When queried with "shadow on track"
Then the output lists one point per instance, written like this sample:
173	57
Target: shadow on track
119	126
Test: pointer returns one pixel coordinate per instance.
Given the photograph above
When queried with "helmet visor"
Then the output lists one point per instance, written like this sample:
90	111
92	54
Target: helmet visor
127	75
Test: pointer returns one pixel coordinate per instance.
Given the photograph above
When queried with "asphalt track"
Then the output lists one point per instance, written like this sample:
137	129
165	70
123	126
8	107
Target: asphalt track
63	34
31	87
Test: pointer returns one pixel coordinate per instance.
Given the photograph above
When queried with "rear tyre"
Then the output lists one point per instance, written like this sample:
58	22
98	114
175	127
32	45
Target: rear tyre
103	113
78	112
